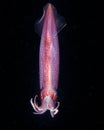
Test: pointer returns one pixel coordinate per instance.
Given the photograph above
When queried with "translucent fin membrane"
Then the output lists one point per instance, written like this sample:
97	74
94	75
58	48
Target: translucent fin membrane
60	21
39	24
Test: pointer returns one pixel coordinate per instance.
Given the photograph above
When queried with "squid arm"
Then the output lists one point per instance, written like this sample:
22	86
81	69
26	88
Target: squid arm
48	27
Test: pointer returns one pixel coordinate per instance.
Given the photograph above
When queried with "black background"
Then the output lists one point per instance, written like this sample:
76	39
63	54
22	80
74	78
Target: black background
20	72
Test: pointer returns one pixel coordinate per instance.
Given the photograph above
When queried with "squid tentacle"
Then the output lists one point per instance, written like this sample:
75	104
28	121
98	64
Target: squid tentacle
34	105
55	110
44	107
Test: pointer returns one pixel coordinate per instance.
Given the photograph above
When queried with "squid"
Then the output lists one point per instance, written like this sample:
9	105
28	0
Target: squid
48	27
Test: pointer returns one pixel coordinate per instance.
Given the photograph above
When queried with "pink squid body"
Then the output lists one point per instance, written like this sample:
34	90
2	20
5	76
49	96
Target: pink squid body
50	24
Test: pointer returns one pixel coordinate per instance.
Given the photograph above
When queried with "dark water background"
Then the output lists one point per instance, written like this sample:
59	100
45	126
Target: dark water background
20	72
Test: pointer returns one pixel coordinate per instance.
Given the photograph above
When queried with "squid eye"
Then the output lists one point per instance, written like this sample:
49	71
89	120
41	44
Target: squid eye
42	97
54	96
